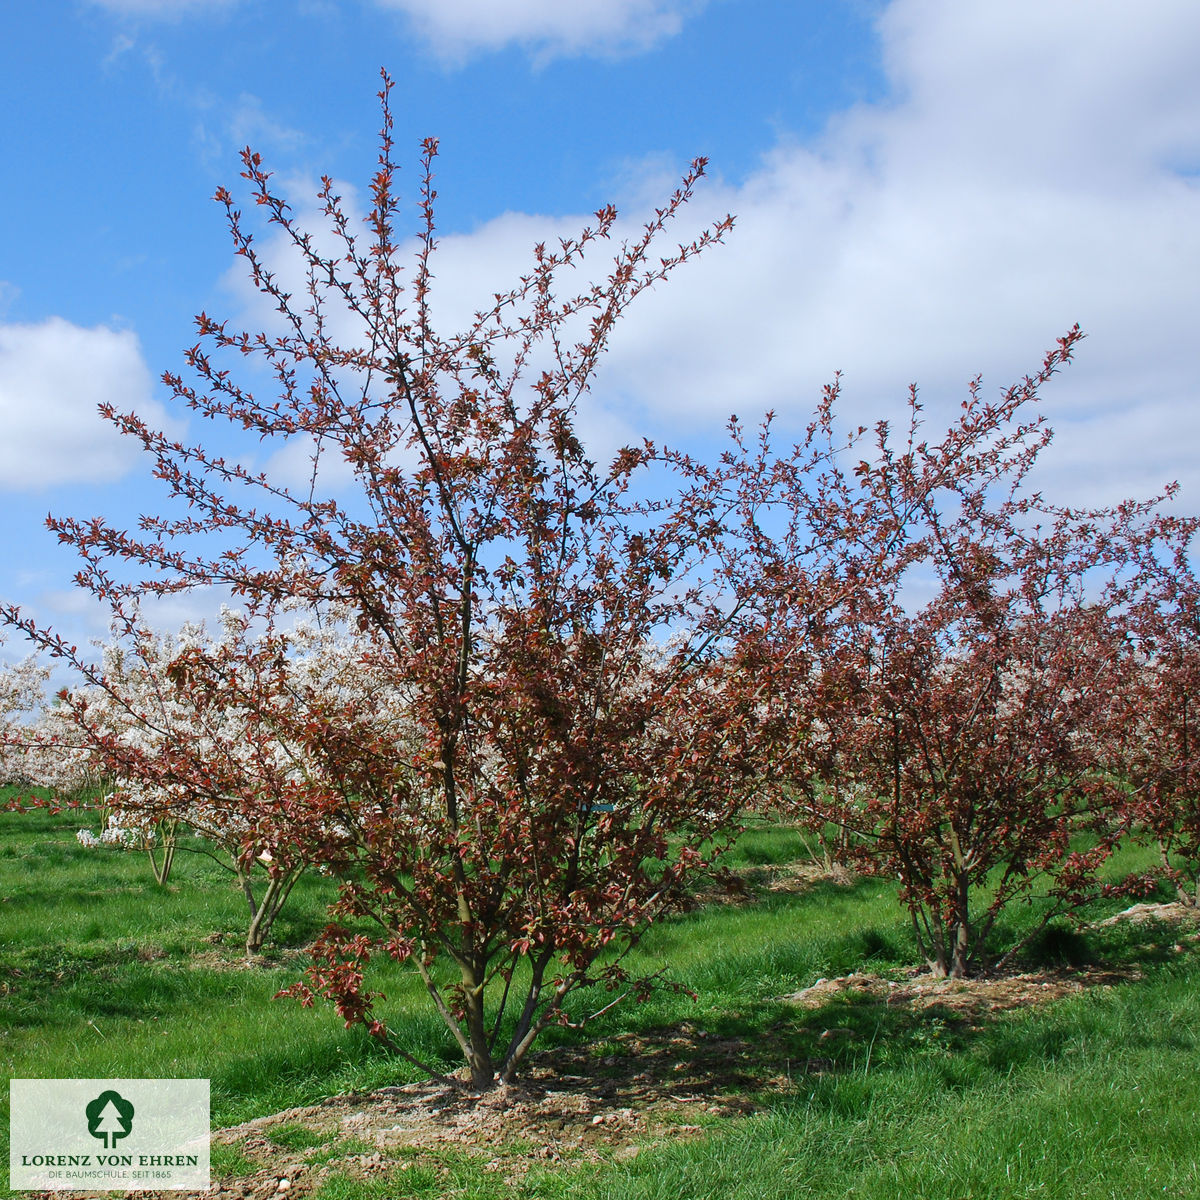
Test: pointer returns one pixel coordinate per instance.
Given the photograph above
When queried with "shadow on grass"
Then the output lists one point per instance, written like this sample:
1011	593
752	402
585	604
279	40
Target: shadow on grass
771	1052
1123	943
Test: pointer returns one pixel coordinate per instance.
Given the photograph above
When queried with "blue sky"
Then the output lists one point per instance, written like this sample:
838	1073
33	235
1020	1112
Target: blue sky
925	190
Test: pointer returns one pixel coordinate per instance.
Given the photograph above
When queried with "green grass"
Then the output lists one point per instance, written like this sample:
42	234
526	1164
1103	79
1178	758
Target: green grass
105	974
228	1160
297	1137
1093	1097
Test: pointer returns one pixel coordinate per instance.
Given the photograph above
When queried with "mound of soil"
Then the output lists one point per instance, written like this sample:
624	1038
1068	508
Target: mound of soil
971	999
509	1130
968	998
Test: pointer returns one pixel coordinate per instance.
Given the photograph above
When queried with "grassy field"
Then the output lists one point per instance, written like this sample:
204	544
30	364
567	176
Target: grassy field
105	974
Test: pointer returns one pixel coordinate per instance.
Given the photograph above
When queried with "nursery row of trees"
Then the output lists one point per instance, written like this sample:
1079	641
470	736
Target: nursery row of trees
516	701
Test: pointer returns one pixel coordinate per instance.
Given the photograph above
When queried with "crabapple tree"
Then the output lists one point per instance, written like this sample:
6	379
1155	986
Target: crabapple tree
580	672
1153	725
959	739
572	736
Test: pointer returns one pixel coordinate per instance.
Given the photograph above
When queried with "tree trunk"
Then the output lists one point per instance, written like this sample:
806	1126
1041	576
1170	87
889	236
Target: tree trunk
263	914
479	1053
161	864
960	956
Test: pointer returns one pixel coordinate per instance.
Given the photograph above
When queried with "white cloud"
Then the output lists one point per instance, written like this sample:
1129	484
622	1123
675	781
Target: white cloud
1033	165
52	377
162	9
1029	169
250	124
292	466
456	29
224	127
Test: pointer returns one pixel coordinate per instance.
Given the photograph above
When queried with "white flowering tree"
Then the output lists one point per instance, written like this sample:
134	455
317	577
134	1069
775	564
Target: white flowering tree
22	695
177	755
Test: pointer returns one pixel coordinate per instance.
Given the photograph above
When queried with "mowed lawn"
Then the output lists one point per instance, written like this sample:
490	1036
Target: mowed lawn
105	974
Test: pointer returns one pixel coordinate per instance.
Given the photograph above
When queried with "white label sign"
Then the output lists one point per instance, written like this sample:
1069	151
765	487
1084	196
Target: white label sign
100	1135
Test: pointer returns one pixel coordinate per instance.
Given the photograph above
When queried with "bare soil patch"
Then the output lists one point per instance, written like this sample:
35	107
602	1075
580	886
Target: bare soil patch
747	884
1173	913
970	999
797	878
611	1099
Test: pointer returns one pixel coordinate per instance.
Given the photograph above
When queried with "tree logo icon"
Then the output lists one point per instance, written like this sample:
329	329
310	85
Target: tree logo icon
110	1117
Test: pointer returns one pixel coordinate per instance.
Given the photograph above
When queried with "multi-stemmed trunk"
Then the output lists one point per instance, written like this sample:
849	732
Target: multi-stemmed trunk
265	909
489	1061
